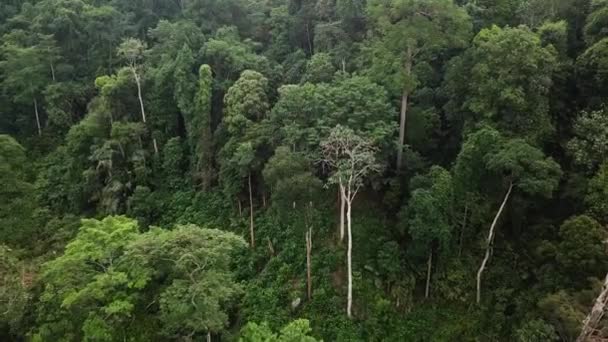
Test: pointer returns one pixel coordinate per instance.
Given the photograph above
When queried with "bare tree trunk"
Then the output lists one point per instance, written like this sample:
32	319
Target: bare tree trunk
342	196
53	71
270	247
308	37
141	105
591	322
308	263
489	242
37	117
428	274
240	207
464	224
251	213
208	336
403	114
349	259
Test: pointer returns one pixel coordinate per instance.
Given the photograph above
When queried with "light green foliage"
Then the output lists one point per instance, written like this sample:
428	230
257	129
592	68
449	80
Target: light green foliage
296	331
246	102
509	81
194	264
536	331
110	272
589	146
319	69
86	287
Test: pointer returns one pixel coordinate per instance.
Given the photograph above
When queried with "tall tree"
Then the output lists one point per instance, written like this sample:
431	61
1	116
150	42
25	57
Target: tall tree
132	50
408	35
351	159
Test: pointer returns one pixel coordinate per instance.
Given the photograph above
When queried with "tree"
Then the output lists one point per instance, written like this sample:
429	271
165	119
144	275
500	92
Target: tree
408	35
581	249
26	70
246	104
296	331
429	213
589	146
508	74
596	198
115	281
351	159
524	168
319	69
16	194
132	50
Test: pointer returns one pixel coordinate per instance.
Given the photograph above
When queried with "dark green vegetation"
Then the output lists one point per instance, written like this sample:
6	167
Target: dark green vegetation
298	170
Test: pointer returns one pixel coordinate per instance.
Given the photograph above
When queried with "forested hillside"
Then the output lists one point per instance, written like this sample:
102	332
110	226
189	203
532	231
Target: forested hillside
303	170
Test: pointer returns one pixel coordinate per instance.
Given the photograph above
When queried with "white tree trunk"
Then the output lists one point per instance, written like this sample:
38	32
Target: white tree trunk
53	71
489	242
208	336
349	258
37	117
308	263
428	274
591	322
342	196
403	113
141	105
251	214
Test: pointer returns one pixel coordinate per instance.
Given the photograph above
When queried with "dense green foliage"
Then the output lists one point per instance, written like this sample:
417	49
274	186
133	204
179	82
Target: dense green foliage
184	170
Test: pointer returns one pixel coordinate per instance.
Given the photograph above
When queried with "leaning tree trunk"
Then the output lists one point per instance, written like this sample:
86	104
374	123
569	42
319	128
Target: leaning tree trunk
37	117
591	322
403	113
428	274
489	242
308	263
141	105
251	213
349	258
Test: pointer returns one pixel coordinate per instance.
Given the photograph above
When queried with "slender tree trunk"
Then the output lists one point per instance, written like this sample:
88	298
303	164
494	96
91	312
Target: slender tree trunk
251	213
591	322
240	207
37	117
403	114
308	263
53	71
141	105
308	37
464	224
428	274
342	196
270	247
208	336
349	253
489	242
